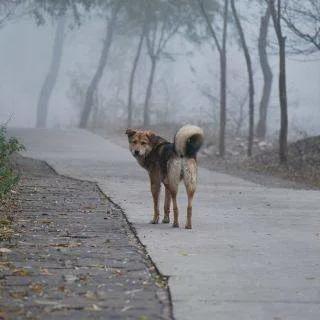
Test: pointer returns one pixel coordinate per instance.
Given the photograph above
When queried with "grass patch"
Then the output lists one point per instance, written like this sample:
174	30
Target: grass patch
6	231
8	178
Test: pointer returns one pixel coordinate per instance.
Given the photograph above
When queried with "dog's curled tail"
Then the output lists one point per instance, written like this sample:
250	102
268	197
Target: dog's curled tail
188	140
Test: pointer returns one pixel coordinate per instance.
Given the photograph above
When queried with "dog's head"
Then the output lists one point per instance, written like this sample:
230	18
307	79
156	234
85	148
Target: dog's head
140	142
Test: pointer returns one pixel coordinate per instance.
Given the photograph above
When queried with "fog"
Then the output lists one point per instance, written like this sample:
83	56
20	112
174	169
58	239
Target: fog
179	86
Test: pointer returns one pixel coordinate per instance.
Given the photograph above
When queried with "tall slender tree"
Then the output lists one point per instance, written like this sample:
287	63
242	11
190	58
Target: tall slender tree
164	21
133	73
222	49
92	88
267	75
58	10
276	14
51	78
250	76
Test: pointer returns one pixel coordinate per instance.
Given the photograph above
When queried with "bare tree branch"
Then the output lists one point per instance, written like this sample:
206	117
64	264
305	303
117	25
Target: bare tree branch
213	33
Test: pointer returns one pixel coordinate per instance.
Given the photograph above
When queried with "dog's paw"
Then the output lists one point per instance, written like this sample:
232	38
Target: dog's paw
166	219
188	226
175	225
155	220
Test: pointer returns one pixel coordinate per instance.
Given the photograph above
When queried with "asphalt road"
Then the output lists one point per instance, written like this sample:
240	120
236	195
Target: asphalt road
253	252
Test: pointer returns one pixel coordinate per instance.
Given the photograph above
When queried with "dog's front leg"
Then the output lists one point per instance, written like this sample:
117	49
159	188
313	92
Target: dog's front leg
155	190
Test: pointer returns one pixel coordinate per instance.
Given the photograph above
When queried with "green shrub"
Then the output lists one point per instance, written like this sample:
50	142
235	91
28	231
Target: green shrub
7	177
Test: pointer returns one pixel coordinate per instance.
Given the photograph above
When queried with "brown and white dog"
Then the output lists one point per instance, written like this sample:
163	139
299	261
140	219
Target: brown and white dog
168	163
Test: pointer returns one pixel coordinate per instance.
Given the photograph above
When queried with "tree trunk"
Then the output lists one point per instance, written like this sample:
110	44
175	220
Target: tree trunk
146	109
92	88
241	114
223	103
223	82
222	49
51	78
250	77
283	136
267	76
132	76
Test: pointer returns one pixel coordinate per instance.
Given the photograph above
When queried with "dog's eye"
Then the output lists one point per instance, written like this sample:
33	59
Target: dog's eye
134	142
143	143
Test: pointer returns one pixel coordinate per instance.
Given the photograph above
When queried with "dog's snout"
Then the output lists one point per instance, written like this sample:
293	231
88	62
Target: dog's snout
136	152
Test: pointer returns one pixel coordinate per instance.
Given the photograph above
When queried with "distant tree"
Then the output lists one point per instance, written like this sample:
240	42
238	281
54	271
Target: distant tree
276	14
133	74
113	8
267	75
51	78
137	21
222	49
57	11
165	18
250	76
7	10
303	19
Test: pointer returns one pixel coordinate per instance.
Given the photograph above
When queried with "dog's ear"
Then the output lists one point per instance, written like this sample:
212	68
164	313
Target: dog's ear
130	132
152	137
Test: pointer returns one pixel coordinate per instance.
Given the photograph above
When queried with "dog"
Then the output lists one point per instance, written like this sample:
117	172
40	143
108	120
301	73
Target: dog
168	163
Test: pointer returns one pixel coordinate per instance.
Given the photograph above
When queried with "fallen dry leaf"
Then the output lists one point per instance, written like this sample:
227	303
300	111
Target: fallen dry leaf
6	265
18	294
5	250
94	307
62	288
118	272
90	295
66	245
36	288
45	272
46	221
21	272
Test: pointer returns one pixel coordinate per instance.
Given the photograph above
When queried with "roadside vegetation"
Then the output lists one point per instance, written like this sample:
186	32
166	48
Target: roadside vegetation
303	164
302	169
8	179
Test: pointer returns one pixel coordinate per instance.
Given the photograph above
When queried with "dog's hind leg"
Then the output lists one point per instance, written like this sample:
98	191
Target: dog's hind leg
155	190
189	209
174	178
175	210
167	203
190	181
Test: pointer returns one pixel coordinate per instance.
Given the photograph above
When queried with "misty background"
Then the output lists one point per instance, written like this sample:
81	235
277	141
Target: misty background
182	85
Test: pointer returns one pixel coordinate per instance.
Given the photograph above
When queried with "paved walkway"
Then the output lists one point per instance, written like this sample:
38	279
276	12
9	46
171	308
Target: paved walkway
253	252
74	256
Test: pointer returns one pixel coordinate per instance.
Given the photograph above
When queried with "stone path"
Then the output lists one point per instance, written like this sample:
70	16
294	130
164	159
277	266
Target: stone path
74	256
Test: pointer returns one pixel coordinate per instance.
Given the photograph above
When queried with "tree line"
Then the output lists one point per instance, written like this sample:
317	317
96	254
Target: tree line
295	25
